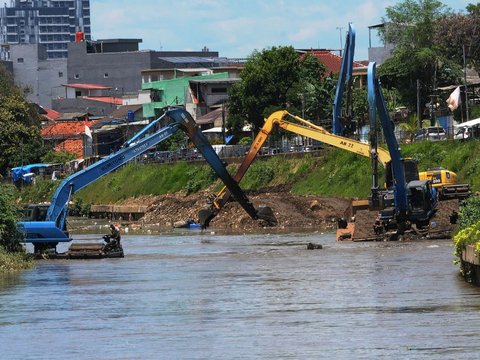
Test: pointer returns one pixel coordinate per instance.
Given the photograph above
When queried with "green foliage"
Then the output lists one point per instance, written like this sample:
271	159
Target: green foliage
80	208
135	180
10	236
467	236
258	176
266	79
200	177
469	213
20	141
341	174
41	191
245	141
14	261
460	157
57	157
458	30
360	105
278	78
174	142
412	25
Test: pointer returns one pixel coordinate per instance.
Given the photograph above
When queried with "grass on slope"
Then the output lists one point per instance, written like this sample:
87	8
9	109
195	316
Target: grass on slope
342	174
135	180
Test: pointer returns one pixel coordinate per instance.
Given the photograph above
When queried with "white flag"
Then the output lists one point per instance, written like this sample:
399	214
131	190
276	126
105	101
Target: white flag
88	133
454	99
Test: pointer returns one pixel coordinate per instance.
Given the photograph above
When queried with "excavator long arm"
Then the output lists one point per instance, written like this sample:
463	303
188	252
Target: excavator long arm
53	229
302	127
201	142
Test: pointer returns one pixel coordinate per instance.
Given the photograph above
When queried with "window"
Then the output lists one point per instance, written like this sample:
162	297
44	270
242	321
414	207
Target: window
60	74
20	60
221	90
76	76
105	75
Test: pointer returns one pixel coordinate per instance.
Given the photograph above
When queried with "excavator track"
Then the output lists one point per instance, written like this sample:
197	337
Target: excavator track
362	228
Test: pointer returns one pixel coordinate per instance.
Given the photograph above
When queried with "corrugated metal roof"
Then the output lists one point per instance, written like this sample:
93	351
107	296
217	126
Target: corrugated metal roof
122	111
73	116
105	99
88	86
186	59
216	81
192	70
210	117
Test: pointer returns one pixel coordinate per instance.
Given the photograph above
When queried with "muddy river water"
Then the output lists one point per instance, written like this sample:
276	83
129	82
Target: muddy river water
263	296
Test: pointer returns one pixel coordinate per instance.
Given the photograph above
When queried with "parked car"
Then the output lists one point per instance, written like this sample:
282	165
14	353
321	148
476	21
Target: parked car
463	133
296	148
431	133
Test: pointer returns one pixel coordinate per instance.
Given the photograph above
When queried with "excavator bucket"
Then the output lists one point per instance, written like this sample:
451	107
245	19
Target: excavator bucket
265	213
205	216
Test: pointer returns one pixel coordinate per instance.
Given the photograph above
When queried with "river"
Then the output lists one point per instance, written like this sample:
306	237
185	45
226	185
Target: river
264	296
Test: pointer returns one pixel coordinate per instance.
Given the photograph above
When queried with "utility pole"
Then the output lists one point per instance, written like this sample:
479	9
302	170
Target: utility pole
465	81
419	114
340	29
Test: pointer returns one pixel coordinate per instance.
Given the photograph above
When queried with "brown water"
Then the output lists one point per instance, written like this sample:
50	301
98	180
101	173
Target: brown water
204	296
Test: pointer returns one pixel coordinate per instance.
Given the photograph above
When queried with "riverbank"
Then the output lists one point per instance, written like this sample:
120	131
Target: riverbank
291	211
10	262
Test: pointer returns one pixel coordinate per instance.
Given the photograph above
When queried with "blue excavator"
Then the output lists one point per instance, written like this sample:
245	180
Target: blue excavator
343	124
45	228
415	201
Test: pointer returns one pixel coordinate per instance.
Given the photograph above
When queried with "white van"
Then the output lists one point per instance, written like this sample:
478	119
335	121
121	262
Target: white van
467	129
463	133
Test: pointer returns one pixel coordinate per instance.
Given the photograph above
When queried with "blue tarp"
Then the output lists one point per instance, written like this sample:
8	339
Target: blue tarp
18	173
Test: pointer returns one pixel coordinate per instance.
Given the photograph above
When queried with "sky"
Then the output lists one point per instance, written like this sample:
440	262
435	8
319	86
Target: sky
235	28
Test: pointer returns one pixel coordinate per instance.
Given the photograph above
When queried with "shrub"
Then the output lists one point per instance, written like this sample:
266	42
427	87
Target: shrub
10	236
469	212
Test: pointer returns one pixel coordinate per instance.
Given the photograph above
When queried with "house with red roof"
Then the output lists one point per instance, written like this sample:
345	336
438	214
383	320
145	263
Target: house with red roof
333	64
68	134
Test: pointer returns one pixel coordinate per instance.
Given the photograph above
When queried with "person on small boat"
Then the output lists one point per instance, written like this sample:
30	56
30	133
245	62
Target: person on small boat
113	239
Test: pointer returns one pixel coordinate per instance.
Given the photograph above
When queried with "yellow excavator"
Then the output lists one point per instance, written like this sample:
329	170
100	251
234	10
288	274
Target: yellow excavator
307	129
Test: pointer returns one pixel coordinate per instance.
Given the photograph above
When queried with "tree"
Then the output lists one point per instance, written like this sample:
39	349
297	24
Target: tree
20	140
456	32
266	79
10	236
411	26
278	78
58	157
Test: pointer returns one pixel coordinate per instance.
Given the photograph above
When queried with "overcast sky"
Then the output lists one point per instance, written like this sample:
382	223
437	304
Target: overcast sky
236	28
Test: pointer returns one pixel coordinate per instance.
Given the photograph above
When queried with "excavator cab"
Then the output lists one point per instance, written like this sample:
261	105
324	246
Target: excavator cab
422	200
35	212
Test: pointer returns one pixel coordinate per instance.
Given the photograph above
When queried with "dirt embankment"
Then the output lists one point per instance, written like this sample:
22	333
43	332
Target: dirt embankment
291	211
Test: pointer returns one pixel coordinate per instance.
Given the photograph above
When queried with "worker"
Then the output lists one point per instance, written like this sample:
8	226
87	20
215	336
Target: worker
114	233
112	239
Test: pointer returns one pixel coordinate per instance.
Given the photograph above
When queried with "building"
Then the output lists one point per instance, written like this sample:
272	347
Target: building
32	70
378	54
67	134
52	23
175	92
93	98
333	64
118	63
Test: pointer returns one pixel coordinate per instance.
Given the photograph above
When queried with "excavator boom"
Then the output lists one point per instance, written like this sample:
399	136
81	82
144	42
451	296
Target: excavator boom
49	232
301	127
